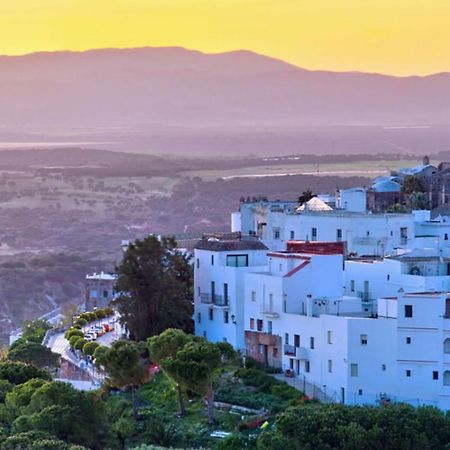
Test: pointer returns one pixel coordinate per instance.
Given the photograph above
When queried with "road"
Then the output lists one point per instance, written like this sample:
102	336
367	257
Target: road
59	344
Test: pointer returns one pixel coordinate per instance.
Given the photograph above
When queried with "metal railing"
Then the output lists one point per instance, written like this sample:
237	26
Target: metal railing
218	300
290	350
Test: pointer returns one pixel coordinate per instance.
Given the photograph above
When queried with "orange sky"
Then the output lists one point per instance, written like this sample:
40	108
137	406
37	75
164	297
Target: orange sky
390	36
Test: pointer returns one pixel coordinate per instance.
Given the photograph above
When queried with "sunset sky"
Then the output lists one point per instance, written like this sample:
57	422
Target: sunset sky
389	36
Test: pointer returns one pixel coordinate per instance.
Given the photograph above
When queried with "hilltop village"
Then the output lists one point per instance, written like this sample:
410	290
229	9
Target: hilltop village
346	293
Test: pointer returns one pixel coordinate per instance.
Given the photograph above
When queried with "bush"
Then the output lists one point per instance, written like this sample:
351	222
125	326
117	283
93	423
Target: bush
81	322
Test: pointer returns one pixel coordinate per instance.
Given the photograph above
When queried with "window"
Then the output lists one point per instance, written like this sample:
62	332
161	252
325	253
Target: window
199	317
253	296
252	324
269	326
408	340
198	291
446	237
447	345
360	391
285	303
276	233
198	263
204	334
286	338
307	366
338	234
296	340
93	293
353	370
225	317
225	339
225	293
311	343
313	234
408	311
383	367
292	234
329	336
446	378
212	260
363	339
435	375
105	294
330	366
367	233
237	260
275	352
352	285
408	373
260	349
280	267
388	277
259	325
211	314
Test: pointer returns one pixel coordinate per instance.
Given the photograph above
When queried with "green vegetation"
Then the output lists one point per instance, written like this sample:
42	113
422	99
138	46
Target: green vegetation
155	285
125	366
364	428
34	353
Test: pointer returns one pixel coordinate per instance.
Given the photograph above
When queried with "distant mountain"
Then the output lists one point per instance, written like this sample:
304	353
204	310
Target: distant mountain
174	86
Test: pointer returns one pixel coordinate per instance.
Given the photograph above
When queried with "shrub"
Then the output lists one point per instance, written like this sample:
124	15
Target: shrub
81	322
79	344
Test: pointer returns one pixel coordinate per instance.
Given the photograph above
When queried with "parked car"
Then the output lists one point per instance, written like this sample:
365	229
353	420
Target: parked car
107	327
90	336
98	329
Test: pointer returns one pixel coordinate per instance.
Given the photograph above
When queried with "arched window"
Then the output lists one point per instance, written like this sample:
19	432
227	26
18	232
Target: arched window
447	378
447	345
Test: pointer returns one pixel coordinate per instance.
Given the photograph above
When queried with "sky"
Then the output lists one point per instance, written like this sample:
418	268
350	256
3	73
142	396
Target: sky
399	37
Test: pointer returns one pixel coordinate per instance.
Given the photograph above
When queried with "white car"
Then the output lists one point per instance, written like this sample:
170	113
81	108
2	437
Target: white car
90	336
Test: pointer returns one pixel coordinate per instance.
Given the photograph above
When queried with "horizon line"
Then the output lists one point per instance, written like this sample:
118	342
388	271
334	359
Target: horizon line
237	50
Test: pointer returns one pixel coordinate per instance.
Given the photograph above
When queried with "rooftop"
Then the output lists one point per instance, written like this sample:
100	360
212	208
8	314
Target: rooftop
102	276
217	245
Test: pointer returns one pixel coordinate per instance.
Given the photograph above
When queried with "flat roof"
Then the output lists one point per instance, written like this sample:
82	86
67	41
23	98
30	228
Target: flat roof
215	245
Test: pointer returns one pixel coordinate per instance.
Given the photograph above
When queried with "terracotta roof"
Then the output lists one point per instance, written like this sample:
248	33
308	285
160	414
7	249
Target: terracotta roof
221	246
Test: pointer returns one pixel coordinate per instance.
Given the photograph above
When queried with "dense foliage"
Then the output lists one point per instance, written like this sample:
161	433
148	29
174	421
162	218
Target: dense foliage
395	427
34	353
155	286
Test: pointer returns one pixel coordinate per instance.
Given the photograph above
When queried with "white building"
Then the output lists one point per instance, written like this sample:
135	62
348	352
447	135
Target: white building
275	223
219	271
287	309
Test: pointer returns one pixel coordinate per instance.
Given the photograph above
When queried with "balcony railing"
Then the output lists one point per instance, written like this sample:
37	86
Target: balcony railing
290	350
217	300
270	314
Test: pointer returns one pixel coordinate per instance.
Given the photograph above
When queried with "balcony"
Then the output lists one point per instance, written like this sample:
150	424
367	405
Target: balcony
364	296
216	300
290	350
270	314
296	352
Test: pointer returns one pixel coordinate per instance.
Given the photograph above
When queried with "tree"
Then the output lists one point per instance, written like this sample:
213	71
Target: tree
412	184
79	344
166	345
195	365
73	332
89	348
81	322
74	339
35	330
63	412
34	353
17	372
155	288
125	366
305	197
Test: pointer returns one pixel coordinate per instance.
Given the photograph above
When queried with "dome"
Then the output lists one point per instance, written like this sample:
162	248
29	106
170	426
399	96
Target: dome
386	186
315	204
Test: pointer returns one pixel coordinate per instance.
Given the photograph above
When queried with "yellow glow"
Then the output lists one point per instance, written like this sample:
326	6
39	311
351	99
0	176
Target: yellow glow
389	36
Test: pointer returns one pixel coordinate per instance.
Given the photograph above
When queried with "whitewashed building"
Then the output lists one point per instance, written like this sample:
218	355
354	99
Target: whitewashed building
365	233
219	268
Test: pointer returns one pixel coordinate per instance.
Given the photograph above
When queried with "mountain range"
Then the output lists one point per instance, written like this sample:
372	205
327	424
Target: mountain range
171	90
